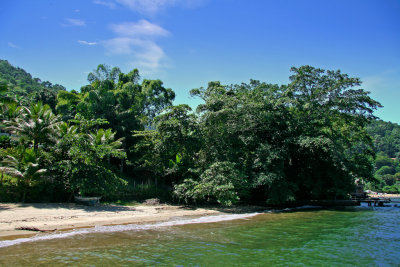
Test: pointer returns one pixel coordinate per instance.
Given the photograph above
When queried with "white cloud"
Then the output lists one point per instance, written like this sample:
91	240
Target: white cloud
149	7
119	46
154	6
381	83
141	28
86	42
144	54
12	45
151	56
135	40
146	6
74	22
109	4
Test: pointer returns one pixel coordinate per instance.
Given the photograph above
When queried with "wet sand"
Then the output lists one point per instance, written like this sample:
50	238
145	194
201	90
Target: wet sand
47	217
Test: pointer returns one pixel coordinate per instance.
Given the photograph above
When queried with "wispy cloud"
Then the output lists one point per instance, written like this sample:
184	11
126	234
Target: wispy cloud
382	82
119	46
74	22
151	57
141	28
12	45
149	7
86	42
136	40
109	4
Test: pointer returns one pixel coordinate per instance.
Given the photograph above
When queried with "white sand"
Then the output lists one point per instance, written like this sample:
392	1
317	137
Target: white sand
52	217
385	195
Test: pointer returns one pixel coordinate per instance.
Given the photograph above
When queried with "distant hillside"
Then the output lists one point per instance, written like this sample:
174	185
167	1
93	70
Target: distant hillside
22	84
386	136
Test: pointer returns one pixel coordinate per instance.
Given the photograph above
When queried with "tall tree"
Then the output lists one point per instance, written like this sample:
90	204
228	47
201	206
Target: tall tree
304	140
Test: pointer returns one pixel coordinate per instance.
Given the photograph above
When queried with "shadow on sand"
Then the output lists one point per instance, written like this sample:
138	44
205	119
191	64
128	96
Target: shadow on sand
74	206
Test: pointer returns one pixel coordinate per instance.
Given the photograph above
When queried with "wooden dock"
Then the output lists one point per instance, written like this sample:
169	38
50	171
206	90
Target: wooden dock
375	201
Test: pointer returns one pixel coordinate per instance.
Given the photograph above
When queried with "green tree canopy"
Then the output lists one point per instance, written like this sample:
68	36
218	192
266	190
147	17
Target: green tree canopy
304	140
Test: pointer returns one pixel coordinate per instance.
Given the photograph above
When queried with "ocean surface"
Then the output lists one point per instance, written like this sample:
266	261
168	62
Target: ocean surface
351	236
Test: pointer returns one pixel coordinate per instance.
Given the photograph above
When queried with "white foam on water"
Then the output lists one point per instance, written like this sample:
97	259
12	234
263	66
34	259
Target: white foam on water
128	227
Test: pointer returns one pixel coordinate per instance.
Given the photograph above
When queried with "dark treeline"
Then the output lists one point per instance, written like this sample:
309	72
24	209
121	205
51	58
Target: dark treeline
254	142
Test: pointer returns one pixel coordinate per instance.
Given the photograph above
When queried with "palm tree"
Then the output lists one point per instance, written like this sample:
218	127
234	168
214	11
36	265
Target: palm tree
105	138
64	129
10	111
25	168
36	124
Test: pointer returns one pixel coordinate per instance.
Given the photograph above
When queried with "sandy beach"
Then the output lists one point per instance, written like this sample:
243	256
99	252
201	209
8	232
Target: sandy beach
18	220
56	217
385	195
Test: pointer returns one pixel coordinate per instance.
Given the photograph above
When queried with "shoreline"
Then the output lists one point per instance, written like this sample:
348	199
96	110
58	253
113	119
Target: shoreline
58	217
26	220
385	195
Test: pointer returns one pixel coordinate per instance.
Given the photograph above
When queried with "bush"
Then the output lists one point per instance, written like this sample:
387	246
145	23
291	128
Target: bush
9	191
138	192
5	141
220	183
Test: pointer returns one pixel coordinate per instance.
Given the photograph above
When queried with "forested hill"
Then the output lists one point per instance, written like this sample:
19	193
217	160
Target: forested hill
386	137
22	83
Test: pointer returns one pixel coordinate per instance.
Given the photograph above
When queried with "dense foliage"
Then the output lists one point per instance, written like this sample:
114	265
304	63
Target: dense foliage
27	89
257	141
84	141
386	136
253	142
387	175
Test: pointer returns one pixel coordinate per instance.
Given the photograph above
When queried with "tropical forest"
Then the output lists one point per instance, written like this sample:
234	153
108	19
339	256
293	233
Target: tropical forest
120	137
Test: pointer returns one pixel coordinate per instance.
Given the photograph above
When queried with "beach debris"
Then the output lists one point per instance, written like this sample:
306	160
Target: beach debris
34	229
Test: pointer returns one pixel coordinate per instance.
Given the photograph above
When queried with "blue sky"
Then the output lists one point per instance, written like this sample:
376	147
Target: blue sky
187	43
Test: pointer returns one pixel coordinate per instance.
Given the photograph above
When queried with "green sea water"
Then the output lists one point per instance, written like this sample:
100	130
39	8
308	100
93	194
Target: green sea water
355	236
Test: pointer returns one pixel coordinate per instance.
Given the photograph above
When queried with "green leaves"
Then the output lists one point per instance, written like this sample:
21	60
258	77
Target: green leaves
36	124
304	140
84	155
104	73
253	142
25	167
220	183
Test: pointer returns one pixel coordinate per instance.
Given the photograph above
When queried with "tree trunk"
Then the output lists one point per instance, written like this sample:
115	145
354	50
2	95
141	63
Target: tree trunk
122	160
24	193
35	147
70	197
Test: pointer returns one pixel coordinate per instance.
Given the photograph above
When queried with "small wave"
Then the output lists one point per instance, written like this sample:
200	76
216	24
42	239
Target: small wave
128	227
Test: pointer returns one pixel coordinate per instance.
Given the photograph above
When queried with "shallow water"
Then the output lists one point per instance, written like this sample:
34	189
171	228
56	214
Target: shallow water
359	236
